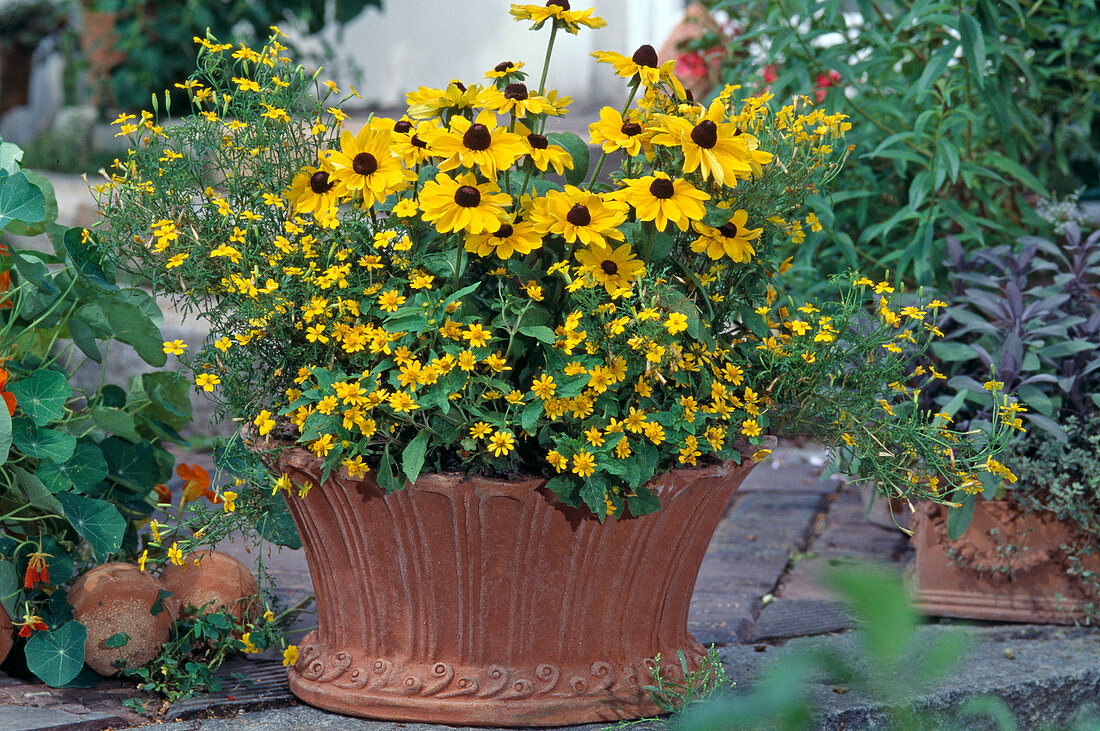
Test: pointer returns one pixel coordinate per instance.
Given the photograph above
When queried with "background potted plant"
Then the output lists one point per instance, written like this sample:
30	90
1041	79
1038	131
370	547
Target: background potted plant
477	372
1032	316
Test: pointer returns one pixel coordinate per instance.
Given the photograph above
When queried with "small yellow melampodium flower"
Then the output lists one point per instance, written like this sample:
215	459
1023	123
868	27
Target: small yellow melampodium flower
175	555
480	430
264	423
174	347
557	460
676	323
143	559
229	497
501	443
290	655
584	464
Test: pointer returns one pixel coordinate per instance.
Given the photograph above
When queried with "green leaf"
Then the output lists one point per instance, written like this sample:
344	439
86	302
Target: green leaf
34	270
117	640
958	519
20	228
539	332
132	326
973	43
158	603
37	493
86	260
878	600
97	521
40	442
277	526
84	338
530	415
133	465
578	150
43	395
386	479
5	434
10	587
950	351
115	421
84	470
170	394
10	156
56	657
20	200
644	502
412	459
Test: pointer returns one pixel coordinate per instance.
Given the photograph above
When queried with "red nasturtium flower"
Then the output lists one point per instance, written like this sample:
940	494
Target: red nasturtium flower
31	623
9	398
164	494
823	82
196	484
37	570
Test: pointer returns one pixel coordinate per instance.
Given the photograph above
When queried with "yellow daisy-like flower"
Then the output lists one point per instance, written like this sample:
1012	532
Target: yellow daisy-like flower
559	11
542	153
174	347
290	655
426	102
480	430
481	144
544	386
505	68
463	204
643	65
578	215
515	99
175	555
312	191
615	132
411	141
513	236
584	464
207	381
615	269
557	460
661	199
716	148
365	164
501	443
733	239
264	423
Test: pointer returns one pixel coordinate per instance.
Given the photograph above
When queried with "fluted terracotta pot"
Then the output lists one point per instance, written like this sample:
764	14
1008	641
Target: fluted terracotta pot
486	602
1008	566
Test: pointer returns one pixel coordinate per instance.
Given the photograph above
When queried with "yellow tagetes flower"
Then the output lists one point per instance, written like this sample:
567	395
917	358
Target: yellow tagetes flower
229	497
463	204
264	423
174	347
501	443
175	555
290	655
207	381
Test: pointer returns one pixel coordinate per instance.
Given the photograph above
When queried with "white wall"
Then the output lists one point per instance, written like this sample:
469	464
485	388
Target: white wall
429	42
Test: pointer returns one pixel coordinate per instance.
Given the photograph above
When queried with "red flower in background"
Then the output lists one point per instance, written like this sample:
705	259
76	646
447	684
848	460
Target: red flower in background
31	623
9	398
37	570
771	73
822	82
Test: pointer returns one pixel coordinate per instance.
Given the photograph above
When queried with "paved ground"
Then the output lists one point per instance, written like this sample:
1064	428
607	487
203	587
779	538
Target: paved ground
756	599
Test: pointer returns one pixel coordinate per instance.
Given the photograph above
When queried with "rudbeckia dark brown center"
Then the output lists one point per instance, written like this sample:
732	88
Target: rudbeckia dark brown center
417	142
402	126
477	137
563	4
459	85
645	56
578	215
729	230
468	196
504	231
503	66
631	128
610	268
515	91
319	182
364	163
538	141
705	134
662	188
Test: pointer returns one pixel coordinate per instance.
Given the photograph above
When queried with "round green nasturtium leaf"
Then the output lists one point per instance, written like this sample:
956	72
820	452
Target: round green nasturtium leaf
56	657
97	521
42	395
41	442
80	473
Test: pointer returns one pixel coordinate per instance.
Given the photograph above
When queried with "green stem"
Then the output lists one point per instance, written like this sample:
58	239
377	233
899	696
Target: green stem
546	61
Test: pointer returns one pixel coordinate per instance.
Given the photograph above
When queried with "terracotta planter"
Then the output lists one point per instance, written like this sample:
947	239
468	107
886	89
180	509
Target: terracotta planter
7	634
1008	566
485	602
119	598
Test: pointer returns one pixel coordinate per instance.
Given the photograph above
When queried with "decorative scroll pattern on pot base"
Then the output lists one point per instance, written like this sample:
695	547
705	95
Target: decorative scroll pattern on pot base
545	694
1009	566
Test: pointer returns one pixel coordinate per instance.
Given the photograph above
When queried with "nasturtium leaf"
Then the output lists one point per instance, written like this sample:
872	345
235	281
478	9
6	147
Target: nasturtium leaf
82	254
132	326
42	395
412	458
97	521
21	228
42	442
84	338
117	640
60	563
33	270
958	519
10	156
115	421
36	493
158	604
10	586
5	435
133	465
56	657
277	526
81	472
170	394
20	200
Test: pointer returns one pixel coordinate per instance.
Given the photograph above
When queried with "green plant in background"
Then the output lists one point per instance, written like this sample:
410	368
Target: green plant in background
888	662
79	470
155	38
961	114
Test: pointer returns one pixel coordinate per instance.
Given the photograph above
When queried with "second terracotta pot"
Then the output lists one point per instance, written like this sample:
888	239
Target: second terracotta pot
486	602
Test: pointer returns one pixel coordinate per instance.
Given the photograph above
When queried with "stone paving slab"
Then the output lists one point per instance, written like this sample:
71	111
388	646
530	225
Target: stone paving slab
24	718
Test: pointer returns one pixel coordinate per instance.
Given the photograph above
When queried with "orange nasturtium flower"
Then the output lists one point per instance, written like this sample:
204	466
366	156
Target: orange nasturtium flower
31	623
9	398
196	484
37	570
